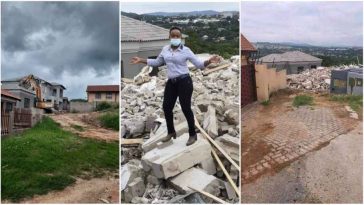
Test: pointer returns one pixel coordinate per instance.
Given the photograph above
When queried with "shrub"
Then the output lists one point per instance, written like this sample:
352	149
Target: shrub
110	120
103	106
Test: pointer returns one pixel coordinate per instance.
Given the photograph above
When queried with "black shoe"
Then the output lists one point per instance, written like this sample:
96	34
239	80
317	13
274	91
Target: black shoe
169	137
192	139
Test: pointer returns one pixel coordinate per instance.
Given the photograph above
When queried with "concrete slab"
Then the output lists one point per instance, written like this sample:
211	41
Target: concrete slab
197	179
161	133
177	157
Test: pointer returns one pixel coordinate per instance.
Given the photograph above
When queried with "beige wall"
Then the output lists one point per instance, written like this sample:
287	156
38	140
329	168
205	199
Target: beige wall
268	80
91	97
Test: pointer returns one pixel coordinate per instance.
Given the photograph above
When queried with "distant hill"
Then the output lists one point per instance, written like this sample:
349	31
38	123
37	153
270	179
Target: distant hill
190	13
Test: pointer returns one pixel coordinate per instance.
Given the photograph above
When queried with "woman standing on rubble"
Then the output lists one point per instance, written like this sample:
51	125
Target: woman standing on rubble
179	83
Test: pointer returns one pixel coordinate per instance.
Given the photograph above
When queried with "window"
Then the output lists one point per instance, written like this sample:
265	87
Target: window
98	96
339	83
54	92
9	107
313	66
26	103
61	93
359	82
300	69
108	95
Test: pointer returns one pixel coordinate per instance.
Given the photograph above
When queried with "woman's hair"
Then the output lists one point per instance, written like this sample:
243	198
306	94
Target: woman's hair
175	28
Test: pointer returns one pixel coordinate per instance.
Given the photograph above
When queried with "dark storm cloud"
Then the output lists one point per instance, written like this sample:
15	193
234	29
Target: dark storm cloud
56	40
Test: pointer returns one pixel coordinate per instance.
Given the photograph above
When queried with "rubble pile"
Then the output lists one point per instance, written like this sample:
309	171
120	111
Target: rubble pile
170	172
315	80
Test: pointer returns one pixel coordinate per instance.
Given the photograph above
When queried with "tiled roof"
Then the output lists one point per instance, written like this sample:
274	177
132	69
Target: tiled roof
135	30
102	88
291	56
8	94
245	44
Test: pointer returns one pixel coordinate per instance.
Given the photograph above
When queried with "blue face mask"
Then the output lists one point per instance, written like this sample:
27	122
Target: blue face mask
175	41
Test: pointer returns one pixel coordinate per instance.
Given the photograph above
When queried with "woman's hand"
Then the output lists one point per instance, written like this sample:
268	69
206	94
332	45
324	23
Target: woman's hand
137	60
215	59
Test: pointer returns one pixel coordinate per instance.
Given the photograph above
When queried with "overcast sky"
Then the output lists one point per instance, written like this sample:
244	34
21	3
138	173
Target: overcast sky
317	23
72	43
144	7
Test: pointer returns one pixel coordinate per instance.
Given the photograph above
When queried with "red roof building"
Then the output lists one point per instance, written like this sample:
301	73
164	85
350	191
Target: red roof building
103	93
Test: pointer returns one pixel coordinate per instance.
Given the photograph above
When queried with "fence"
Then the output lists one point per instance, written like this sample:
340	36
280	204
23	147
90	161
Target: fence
22	118
5	123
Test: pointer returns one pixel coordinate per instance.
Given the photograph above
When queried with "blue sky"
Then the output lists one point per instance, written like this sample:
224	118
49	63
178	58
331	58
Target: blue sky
317	23
148	7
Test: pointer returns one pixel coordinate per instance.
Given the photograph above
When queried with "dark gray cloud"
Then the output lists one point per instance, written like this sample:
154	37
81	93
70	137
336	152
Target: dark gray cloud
326	23
59	41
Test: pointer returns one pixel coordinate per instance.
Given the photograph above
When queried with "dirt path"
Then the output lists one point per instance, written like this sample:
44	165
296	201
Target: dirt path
96	190
85	126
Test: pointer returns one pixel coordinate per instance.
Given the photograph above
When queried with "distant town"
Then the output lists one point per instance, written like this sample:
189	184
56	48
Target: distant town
331	56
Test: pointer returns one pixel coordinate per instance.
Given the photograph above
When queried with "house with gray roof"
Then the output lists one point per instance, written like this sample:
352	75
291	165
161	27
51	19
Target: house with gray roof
293	61
141	39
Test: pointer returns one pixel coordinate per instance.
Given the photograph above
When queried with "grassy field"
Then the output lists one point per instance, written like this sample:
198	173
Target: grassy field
110	120
46	158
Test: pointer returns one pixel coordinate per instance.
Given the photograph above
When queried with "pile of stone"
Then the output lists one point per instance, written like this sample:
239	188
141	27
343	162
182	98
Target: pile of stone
170	172
315	80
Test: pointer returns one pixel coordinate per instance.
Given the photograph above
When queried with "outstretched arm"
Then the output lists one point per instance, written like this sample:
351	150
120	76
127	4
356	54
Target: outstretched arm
151	62
202	64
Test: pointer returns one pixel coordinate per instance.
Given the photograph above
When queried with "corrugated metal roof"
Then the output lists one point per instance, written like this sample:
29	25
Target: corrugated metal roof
102	88
291	56
245	44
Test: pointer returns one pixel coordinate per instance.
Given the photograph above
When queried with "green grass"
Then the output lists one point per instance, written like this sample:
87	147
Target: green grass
354	101
78	127
265	102
46	158
301	100
110	120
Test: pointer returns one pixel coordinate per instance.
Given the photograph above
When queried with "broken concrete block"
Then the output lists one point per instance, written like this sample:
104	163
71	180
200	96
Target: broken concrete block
161	133
210	122
161	145
209	166
129	172
176	158
232	117
230	145
230	191
153	180
197	179
137	187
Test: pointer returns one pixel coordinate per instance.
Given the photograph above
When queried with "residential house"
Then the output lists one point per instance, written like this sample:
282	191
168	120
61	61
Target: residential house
50	92
8	101
140	39
293	61
103	93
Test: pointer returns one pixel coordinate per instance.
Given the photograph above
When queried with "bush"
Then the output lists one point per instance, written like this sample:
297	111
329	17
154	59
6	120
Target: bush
103	106
110	120
301	100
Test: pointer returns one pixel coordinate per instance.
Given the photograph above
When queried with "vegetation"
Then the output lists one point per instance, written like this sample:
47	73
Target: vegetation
301	100
103	106
78	100
110	120
46	158
265	102
354	101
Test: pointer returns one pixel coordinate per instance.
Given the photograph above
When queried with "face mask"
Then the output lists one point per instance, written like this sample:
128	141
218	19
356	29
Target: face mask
175	41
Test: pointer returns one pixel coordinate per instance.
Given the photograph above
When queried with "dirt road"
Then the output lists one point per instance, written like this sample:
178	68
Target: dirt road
96	190
85	126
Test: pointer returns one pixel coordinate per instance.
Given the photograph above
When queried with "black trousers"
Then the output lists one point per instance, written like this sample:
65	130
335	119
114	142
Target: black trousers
181	89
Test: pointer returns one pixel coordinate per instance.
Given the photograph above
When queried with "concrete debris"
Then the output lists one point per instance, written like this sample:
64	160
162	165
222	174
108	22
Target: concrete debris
210	122
314	80
177	157
166	169
197	179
